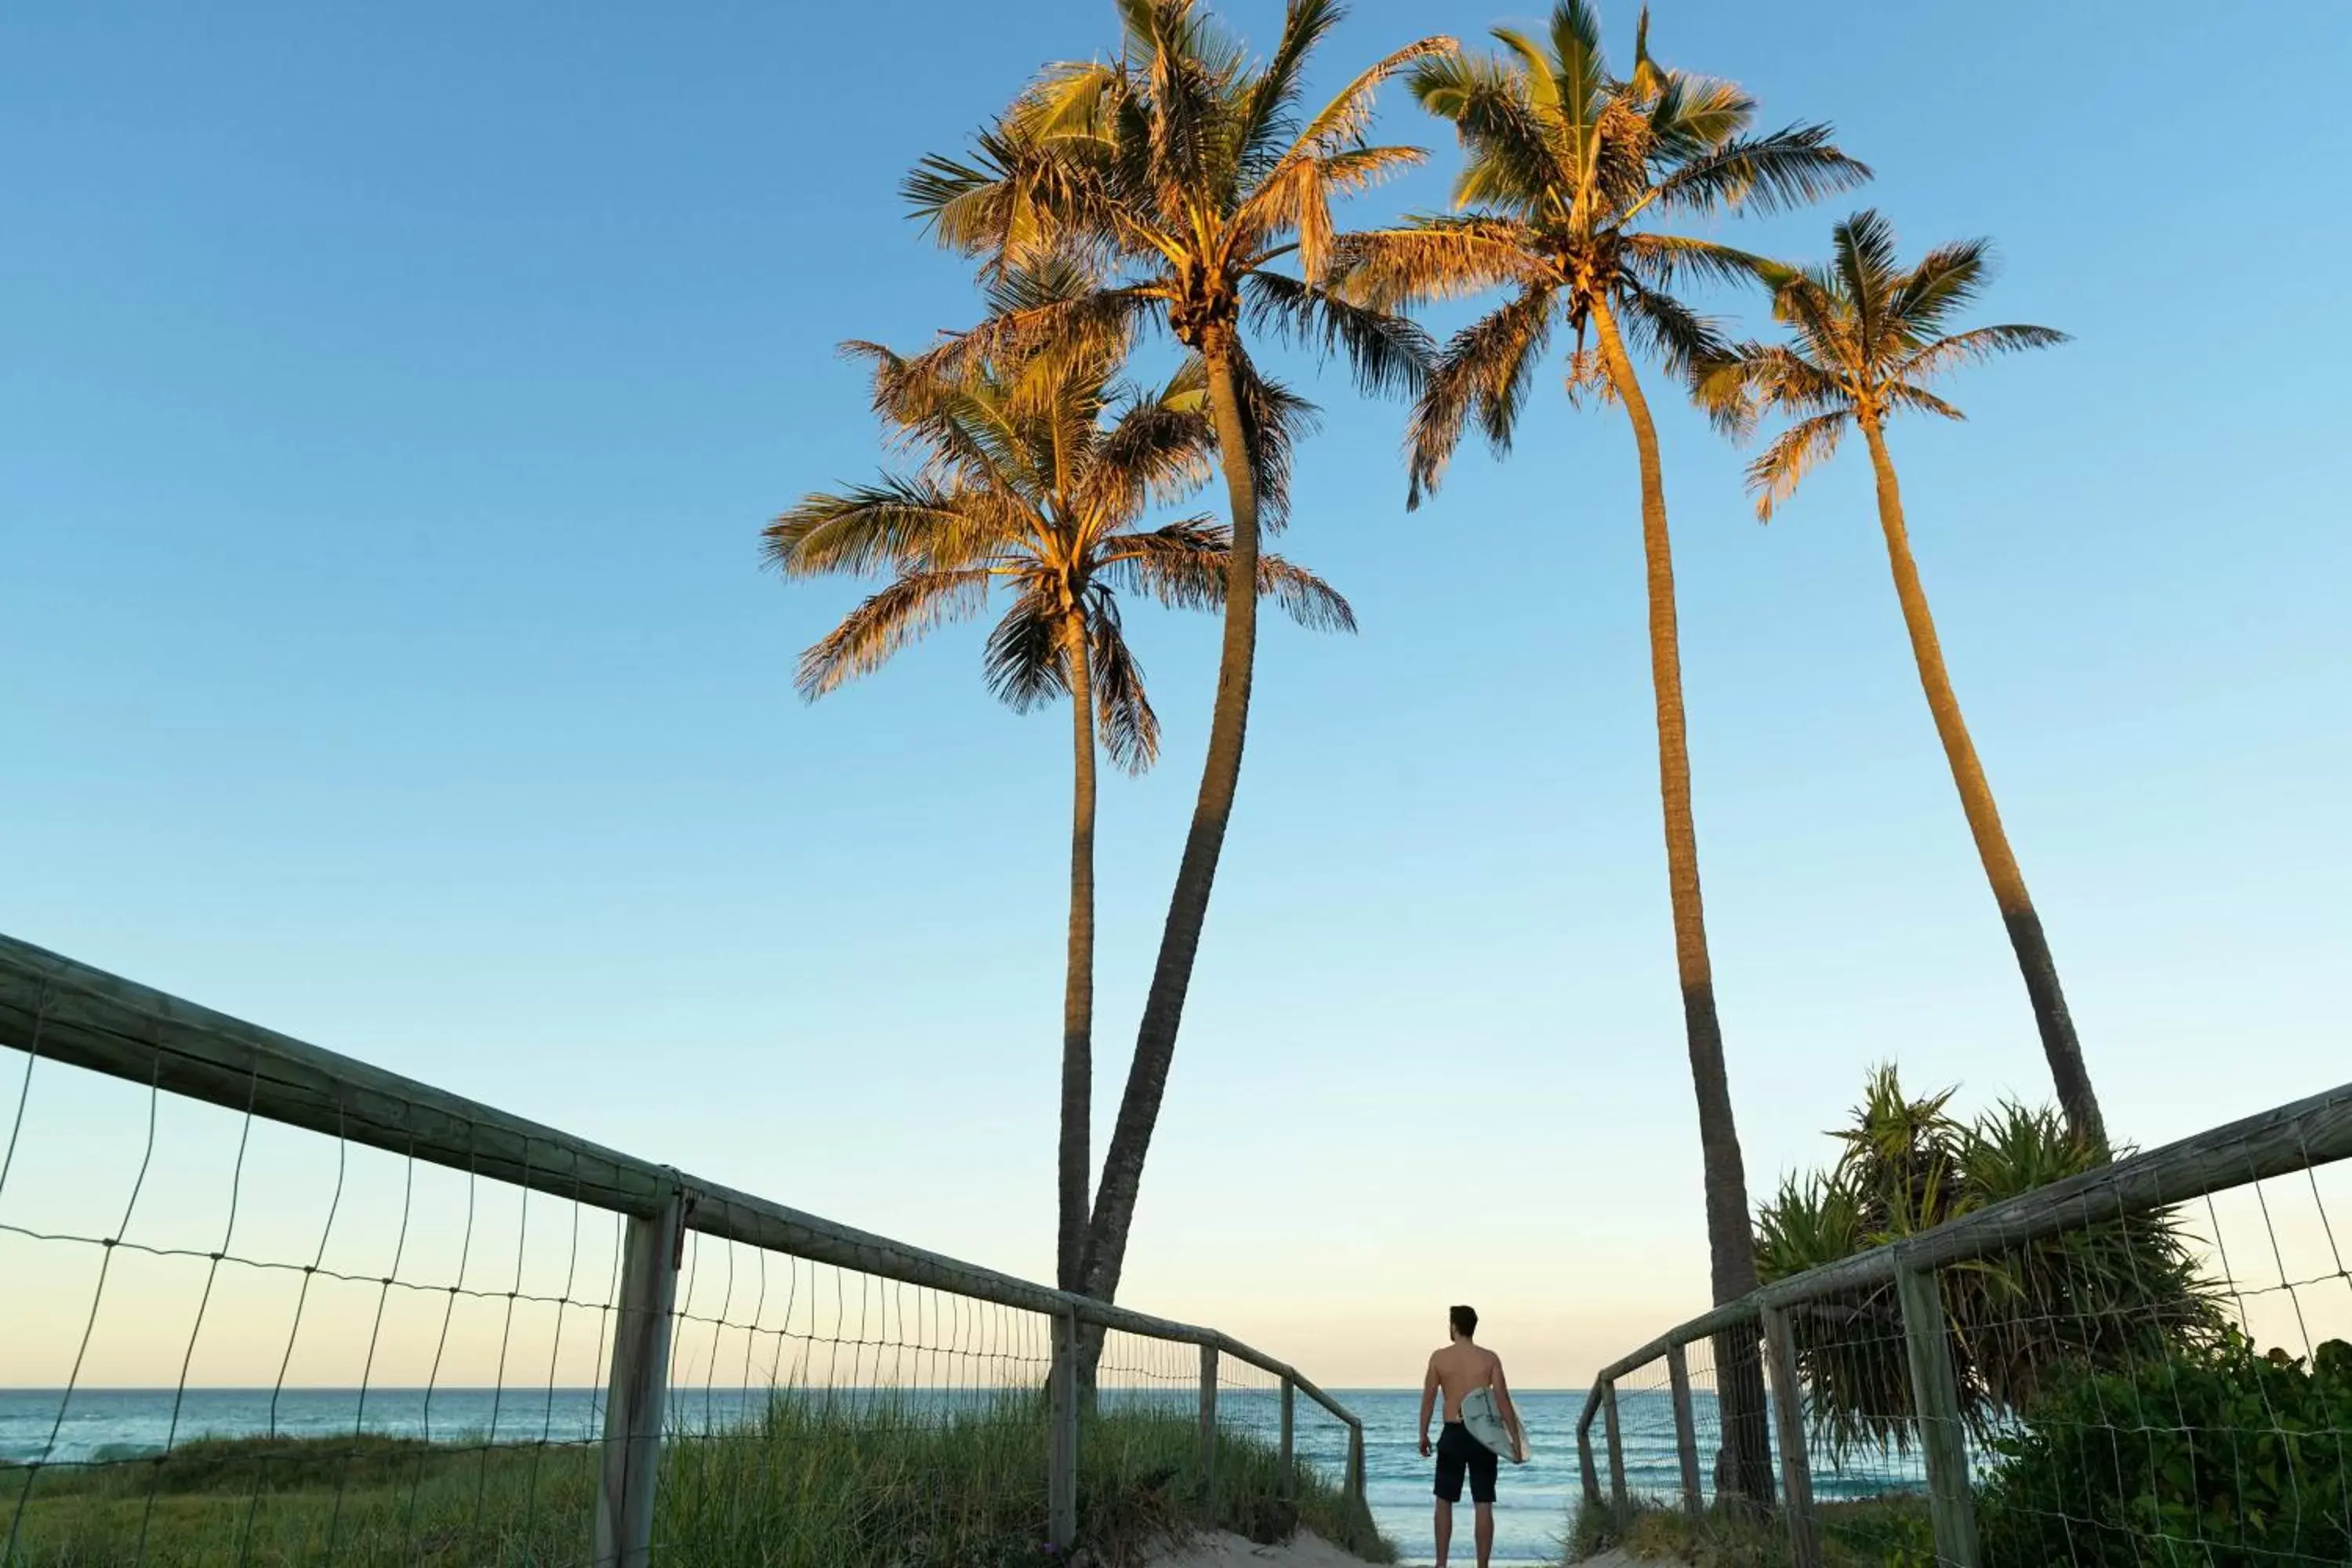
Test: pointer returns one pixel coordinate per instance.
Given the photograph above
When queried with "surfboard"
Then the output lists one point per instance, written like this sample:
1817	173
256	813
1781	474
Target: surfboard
1485	1423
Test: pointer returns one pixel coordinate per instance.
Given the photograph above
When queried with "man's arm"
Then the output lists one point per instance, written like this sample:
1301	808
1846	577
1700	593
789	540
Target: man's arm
1428	1400
1510	1412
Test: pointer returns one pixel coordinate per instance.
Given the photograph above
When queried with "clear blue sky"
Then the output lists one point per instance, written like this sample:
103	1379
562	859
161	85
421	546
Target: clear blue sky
390	400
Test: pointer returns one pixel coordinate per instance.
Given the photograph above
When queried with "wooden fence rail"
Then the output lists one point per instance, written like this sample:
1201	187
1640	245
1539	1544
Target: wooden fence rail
60	1010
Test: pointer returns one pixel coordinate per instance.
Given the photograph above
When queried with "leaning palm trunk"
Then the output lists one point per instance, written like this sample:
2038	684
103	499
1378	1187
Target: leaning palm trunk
1188	906
1078	987
1744	1467
2050	1016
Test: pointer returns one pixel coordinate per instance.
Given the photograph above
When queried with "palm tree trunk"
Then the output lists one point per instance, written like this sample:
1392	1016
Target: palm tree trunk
1745	1465
1188	907
1078	987
2050	1016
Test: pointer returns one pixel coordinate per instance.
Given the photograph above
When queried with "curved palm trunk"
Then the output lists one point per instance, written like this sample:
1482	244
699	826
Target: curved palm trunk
1078	987
1188	907
2017	913
1745	1465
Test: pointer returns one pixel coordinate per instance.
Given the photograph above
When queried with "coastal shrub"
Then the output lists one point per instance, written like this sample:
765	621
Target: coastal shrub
2218	1458
2118	1292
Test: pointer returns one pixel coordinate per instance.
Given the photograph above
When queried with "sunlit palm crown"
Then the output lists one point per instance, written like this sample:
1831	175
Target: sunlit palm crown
1178	172
1868	336
1032	474
1568	168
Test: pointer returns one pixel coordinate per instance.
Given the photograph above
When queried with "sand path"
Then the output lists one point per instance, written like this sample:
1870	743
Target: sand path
1304	1550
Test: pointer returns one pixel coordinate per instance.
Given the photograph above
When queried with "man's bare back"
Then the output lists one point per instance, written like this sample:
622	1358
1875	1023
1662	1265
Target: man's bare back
1460	1368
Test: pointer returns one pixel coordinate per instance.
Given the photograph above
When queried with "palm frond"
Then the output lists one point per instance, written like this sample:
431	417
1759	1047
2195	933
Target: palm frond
1184	565
1510	159
1097	325
1388	352
1783	169
1794	453
1667	330
901	614
1972	347
893	524
1485	369
1690	114
1583	69
1918	400
1302	597
1666	261
1946	278
1156	450
1123	715
1436	257
1025	657
1340	124
1274	420
1271	110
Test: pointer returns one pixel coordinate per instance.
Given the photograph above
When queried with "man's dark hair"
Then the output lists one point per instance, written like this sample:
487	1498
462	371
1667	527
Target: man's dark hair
1465	1321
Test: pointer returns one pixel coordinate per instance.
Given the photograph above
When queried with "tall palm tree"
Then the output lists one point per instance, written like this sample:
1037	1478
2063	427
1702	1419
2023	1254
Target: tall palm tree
1568	170
1034	477
1181	172
1868	337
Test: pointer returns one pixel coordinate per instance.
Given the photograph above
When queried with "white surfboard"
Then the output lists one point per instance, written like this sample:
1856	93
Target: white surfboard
1485	1423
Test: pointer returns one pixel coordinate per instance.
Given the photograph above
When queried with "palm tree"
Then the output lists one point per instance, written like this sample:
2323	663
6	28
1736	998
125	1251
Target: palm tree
1034	477
1181	172
1869	336
1568	168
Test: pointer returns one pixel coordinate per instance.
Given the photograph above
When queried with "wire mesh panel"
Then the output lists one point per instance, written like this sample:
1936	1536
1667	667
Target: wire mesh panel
826	1415
1647	1441
1249	1440
1862	1428
230	1341
2176	1387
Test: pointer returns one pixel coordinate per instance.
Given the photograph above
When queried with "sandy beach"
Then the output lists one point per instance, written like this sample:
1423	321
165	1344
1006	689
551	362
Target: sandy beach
1304	1550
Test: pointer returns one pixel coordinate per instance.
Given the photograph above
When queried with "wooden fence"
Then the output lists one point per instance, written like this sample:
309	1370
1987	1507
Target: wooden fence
59	1010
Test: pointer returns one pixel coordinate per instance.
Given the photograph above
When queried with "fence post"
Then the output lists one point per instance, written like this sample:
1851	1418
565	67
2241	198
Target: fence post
1686	1430
1356	1469
1062	1447
635	1393
1209	1424
1789	1426
1936	1396
1584	1464
1289	1394
1620	1506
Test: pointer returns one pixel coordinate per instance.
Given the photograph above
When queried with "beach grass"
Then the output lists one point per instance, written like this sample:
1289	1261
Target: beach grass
808	1484
1873	1532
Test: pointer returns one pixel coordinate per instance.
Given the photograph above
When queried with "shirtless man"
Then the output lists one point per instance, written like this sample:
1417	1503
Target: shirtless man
1460	1368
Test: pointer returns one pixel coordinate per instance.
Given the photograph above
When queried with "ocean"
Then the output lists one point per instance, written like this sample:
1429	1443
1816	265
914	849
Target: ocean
1530	1515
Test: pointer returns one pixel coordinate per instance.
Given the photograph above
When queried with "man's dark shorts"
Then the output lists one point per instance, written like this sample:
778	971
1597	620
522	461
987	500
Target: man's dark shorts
1458	1451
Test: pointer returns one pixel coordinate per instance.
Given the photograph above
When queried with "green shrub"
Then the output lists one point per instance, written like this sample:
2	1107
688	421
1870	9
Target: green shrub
2108	1294
2219	1458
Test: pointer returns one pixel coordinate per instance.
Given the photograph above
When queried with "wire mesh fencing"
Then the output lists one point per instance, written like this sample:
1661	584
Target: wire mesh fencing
2146	1363
228	1340
261	1304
